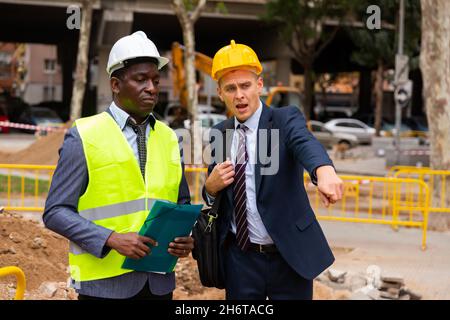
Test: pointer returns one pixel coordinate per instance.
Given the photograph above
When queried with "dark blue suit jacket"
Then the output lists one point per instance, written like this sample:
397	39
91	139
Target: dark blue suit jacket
281	198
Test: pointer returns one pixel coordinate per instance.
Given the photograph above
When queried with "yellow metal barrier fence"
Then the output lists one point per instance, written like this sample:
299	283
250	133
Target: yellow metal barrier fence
377	200
437	181
196	177
24	187
20	277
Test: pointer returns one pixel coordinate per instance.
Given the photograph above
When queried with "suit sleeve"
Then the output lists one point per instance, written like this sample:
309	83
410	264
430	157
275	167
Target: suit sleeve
184	196
306	149
68	184
206	197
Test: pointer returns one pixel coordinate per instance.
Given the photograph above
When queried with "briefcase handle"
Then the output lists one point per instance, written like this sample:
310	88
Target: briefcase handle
214	212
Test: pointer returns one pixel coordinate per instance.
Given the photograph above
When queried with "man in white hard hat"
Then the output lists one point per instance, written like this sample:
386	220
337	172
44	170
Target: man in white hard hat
112	167
271	245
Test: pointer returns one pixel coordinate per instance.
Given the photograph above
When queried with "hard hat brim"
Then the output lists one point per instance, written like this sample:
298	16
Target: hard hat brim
219	74
162	61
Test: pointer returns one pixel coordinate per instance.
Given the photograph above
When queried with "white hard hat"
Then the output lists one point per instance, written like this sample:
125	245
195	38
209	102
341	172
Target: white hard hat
133	46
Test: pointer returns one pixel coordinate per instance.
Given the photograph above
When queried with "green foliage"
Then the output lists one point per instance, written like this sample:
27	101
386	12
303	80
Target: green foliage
375	45
302	20
221	8
190	4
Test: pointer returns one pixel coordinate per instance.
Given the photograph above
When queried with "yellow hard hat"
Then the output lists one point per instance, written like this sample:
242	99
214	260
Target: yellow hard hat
234	56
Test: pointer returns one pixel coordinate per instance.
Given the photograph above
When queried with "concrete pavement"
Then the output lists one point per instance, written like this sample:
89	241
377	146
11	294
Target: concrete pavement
13	142
358	246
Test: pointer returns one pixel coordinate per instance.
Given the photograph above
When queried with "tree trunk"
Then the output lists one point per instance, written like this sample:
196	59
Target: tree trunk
379	97
365	92
191	83
82	62
187	20
435	62
308	91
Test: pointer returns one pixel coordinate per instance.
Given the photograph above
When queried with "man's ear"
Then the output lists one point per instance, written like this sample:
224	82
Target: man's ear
115	85
260	85
219	93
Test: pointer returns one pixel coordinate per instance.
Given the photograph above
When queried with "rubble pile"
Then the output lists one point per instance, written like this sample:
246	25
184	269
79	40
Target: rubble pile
371	285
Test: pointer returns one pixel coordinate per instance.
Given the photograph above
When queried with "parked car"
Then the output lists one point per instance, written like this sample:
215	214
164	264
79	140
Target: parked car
362	131
330	115
175	110
418	126
329	138
416	123
207	121
42	117
387	127
329	105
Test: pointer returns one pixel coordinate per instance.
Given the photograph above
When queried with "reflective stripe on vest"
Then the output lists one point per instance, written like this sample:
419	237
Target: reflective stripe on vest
117	197
115	210
110	211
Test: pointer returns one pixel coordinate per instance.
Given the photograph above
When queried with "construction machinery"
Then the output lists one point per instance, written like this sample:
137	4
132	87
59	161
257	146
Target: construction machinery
274	97
203	63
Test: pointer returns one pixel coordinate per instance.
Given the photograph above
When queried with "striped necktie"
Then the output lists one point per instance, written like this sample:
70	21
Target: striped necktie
140	130
239	192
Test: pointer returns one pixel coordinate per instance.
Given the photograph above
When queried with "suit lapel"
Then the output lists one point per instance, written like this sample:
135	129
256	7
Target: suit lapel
265	124
227	131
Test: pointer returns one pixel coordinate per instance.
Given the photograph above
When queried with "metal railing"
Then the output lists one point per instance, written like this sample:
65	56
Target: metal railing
20	278
366	199
437	181
24	187
378	200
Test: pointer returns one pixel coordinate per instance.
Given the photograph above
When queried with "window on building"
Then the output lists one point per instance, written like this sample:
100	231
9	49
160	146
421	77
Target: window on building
5	65
49	93
50	65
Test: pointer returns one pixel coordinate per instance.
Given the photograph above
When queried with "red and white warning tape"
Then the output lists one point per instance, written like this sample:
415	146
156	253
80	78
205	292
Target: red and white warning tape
30	126
415	152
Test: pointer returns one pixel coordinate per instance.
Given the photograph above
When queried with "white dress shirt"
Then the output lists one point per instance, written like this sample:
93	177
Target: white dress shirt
121	118
257	231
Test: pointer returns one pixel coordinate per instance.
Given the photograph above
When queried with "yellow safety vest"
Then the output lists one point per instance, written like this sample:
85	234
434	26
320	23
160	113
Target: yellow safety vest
117	197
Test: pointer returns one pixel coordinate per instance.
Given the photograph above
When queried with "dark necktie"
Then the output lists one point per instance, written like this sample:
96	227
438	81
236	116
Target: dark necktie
140	129
239	192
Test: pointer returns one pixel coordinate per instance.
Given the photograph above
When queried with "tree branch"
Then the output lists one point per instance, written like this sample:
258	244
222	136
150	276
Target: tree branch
180	11
184	15
198	10
326	42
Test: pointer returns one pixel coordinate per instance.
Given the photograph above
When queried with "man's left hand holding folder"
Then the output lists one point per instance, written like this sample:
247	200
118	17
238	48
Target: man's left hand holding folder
133	245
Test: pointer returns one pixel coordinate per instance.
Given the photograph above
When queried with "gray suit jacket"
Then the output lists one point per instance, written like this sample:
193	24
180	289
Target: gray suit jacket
61	216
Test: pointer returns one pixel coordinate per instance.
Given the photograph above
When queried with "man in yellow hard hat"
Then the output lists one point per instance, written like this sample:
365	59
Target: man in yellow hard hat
271	245
112	168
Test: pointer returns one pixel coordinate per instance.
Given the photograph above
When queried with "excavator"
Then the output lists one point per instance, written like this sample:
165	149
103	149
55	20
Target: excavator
274	97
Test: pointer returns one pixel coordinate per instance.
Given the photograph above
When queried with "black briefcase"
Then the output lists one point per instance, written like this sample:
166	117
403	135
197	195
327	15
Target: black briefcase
206	246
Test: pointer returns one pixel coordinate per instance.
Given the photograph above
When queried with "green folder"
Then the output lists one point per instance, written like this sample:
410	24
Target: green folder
165	222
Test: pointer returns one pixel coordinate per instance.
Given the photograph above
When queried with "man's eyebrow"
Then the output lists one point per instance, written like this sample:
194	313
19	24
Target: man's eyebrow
139	73
230	86
145	74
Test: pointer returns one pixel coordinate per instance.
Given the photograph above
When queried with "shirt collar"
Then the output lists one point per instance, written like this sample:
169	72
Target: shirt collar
121	116
253	121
